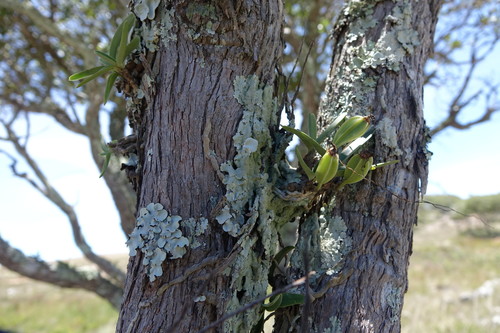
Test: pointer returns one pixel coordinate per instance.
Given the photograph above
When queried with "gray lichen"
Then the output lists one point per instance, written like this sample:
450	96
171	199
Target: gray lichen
392	297
243	176
336	326
248	197
146	9
397	39
389	135
157	234
328	242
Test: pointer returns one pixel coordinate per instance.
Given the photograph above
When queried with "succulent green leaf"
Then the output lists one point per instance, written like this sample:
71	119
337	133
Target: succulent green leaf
100	72
109	85
278	257
106	152
274	303
330	129
309	173
290	299
311	122
306	139
106	58
259	327
85	73
127	26
115	41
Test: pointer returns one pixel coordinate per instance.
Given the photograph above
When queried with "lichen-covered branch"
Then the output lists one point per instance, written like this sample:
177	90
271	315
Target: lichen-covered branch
59	274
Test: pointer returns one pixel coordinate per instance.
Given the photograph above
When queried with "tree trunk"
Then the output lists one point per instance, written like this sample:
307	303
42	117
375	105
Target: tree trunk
203	67
361	241
214	188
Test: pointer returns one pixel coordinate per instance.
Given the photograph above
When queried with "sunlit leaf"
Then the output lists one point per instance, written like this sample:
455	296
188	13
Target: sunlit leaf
307	140
309	173
127	25
100	72
330	129
85	73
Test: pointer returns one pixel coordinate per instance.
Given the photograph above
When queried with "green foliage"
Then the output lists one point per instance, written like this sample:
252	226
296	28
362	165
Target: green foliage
354	132
114	61
106	152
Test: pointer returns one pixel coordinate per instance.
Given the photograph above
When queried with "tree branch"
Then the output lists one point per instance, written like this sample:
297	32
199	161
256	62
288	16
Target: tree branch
61	274
53	195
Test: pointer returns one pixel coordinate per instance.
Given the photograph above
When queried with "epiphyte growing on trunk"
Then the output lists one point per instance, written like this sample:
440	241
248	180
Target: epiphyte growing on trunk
114	61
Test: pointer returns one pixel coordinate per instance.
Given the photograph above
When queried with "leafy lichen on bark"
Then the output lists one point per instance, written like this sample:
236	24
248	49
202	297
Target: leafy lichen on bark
248	198
327	243
365	61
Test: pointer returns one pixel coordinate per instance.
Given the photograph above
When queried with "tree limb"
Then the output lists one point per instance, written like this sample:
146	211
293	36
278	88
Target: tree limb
61	274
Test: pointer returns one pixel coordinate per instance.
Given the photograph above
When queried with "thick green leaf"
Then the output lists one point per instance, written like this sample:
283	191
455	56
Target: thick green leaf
107	158
290	299
330	129
113	47
85	73
100	72
274	303
309	173
313	128
278	257
134	43
307	140
109	85
106	58
128	24
259	327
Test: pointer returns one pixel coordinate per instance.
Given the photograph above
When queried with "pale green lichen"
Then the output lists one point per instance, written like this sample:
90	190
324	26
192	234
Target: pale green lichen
248	196
166	33
334	242
152	32
397	39
194	229
327	243
157	234
146	9
389	135
392	297
335	327
243	175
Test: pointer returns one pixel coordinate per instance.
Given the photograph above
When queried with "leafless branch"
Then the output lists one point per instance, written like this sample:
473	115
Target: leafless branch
44	187
60	274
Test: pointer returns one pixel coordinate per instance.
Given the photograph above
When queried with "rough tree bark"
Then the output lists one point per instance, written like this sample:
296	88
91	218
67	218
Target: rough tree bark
365	235
210	150
186	132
